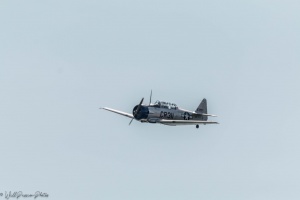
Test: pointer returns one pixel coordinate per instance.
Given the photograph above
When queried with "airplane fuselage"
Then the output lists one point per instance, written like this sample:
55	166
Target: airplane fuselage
153	114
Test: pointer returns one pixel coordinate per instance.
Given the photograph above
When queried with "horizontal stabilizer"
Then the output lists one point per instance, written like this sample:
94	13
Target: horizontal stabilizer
209	115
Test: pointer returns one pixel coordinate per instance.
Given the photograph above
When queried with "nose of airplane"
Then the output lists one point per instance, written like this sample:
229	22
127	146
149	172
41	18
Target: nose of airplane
142	114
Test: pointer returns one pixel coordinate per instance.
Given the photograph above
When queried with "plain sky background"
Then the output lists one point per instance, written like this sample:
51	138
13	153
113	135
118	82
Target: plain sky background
62	60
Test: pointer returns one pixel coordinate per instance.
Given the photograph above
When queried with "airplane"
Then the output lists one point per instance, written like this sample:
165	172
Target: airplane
166	113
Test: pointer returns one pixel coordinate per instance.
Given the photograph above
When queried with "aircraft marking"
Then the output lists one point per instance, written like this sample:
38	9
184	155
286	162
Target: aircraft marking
186	116
167	115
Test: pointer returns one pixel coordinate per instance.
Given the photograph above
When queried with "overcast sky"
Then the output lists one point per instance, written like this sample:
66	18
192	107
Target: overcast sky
62	60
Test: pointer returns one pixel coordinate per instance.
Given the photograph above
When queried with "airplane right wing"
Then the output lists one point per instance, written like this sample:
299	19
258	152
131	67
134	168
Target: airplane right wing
118	112
184	122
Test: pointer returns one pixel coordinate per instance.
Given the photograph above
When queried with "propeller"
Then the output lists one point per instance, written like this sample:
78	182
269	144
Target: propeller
150	97
137	111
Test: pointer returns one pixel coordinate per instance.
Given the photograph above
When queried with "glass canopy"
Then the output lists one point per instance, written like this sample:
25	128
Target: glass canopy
162	104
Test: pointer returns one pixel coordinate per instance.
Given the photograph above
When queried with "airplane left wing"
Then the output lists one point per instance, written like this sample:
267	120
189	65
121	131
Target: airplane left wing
184	122
118	112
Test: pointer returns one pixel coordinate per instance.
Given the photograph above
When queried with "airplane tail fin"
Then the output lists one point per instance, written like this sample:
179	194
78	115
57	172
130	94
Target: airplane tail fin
202	109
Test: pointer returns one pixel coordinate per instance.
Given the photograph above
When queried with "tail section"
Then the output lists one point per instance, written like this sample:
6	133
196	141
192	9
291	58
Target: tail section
202	109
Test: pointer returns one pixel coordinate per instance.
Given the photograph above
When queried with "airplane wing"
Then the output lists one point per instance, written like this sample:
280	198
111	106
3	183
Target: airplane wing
118	112
184	122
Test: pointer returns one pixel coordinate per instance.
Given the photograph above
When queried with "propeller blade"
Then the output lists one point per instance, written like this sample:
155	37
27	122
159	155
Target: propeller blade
139	107
131	121
150	97
141	101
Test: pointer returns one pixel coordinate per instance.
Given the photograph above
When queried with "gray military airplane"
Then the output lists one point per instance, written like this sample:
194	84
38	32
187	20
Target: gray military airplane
167	113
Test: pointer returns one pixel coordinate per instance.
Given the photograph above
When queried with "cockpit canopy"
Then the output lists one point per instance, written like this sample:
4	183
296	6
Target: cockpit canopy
167	105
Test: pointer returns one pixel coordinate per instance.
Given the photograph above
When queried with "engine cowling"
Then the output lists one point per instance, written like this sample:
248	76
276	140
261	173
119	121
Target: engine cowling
142	114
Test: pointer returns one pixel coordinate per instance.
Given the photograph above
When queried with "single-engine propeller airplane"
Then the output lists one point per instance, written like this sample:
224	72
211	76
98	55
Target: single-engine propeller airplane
167	113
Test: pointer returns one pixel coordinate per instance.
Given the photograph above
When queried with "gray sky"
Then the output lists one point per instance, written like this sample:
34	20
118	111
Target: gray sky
62	60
